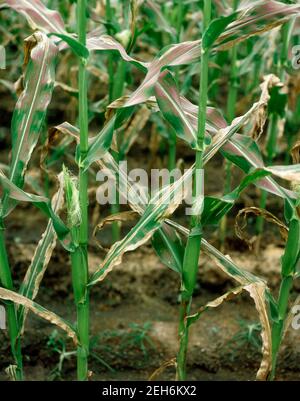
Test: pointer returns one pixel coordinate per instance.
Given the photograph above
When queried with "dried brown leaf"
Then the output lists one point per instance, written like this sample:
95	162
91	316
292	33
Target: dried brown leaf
241	223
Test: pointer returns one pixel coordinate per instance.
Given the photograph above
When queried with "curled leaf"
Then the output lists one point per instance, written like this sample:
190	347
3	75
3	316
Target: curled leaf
241	223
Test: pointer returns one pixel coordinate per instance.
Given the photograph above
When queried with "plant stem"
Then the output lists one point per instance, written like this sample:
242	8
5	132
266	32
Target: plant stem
180	17
172	150
289	263
13	326
192	251
172	133
110	56
80	256
183	341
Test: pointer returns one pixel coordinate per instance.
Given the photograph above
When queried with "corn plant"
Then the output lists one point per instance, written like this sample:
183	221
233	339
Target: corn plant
202	127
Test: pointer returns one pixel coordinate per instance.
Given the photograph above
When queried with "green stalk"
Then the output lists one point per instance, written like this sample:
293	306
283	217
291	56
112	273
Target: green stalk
257	69
110	56
13	326
79	257
180	17
192	251
172	150
231	107
172	133
289	263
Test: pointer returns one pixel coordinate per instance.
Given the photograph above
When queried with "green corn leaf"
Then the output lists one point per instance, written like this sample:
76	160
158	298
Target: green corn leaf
291	254
169	247
101	143
79	49
277	103
169	102
31	108
244	152
216	208
215	29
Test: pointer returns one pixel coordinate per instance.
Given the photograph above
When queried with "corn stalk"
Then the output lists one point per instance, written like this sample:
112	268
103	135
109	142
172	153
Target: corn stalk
192	252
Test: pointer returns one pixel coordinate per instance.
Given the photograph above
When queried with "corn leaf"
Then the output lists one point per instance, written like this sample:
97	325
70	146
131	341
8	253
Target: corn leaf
162	204
40	311
215	29
35	273
31	107
169	247
101	143
244	153
78	48
105	42
240	149
38	15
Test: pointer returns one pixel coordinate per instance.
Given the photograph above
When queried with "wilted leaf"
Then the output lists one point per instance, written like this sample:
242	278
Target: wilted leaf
241	222
40	311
